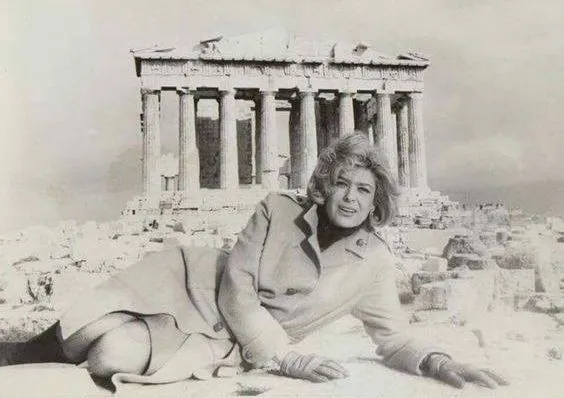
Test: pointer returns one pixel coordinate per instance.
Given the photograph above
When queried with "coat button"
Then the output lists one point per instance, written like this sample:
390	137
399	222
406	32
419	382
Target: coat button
218	326
361	242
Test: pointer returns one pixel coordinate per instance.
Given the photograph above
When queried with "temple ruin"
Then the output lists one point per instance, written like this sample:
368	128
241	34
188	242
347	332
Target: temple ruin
327	89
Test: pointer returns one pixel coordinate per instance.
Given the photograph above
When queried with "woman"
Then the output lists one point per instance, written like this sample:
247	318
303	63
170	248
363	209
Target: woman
298	265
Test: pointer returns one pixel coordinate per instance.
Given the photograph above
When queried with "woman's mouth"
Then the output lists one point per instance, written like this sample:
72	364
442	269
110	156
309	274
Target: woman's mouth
347	210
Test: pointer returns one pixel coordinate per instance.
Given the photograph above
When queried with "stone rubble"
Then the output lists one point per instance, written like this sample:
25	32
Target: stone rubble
42	269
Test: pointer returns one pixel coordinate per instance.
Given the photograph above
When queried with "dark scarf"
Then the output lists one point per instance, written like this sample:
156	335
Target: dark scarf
327	233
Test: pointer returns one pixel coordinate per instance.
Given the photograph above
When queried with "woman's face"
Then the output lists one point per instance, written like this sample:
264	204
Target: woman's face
352	197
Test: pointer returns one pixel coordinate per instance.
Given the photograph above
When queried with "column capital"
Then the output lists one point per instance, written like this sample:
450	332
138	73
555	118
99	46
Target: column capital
383	91
307	92
400	103
227	90
185	91
150	90
268	91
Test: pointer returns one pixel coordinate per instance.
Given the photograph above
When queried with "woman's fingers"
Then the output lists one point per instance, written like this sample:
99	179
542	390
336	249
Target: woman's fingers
452	378
496	376
336	366
318	377
332	372
480	377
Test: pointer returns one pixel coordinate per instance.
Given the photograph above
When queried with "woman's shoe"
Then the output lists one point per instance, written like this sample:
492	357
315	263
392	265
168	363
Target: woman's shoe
44	347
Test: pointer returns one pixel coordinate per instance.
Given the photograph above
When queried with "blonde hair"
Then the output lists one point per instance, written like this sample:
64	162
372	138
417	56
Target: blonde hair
351	151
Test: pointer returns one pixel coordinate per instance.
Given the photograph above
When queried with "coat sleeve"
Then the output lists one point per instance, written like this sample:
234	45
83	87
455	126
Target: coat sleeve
261	337
386	323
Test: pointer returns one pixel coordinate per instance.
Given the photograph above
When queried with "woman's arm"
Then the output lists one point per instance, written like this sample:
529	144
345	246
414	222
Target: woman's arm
261	337
386	322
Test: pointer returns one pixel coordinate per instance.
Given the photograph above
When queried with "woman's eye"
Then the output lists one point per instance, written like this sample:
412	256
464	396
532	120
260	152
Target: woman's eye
341	184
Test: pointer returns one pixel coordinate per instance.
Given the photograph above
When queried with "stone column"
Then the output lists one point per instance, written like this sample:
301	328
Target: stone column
403	142
371	132
295	145
254	148
188	156
417	156
269	141
384	130
258	142
228	161
307	138
346	113
151	142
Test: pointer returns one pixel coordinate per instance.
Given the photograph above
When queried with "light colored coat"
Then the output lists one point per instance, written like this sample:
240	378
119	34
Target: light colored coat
278	286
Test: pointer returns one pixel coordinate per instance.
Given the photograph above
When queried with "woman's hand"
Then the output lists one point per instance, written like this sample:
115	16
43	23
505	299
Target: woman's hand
445	369
311	367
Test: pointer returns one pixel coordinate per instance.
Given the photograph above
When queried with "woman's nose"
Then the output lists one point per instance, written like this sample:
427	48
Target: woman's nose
350	195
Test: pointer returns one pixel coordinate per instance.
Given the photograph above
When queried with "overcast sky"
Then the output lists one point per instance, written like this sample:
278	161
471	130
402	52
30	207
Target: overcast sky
69	97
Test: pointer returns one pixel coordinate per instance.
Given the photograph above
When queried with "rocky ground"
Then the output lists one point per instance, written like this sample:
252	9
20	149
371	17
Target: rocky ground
492	297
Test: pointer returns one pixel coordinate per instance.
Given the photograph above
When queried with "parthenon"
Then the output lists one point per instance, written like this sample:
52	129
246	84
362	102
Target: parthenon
331	89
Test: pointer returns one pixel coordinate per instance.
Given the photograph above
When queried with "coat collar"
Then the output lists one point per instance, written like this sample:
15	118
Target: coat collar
334	254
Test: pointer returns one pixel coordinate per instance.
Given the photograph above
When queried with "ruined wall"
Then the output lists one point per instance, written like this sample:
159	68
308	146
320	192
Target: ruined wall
207	135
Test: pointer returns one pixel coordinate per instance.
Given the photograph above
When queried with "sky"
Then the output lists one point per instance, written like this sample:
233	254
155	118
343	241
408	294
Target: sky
69	98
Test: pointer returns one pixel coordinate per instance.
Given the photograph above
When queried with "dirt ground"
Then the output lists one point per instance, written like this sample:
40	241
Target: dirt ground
516	344
525	347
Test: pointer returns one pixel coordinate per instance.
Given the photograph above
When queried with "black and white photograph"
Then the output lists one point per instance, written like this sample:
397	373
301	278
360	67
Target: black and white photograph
313	198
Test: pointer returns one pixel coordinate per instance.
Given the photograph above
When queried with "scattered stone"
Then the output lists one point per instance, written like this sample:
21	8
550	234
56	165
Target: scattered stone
488	238
472	296
519	256
543	303
555	353
422	277
403	284
24	260
179	227
432	252
472	261
39	288
435	264
497	252
464	244
536	255
434	296
501	236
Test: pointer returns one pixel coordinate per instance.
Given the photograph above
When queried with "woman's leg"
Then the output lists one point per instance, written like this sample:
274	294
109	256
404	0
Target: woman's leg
76	345
48	347
126	349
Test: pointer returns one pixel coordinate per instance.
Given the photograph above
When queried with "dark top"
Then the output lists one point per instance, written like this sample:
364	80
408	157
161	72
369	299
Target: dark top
327	233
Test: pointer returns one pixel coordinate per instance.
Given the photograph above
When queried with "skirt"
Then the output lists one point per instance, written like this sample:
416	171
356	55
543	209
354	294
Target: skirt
174	292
